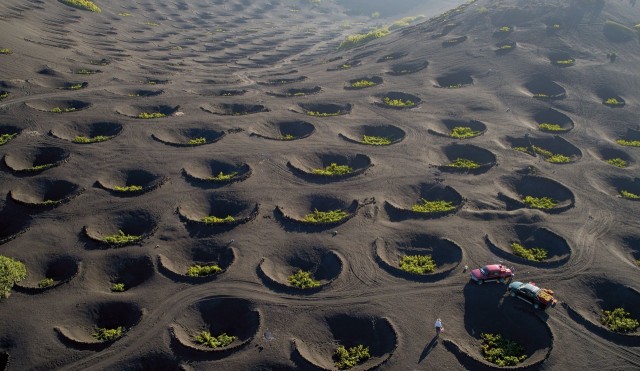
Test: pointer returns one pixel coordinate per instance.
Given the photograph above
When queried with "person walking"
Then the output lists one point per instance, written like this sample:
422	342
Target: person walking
438	327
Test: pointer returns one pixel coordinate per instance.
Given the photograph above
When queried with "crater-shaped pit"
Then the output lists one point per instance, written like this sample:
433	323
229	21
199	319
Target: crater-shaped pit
624	187
292	213
555	150
129	270
77	328
561	59
397	100
530	236
610	155
214	173
32	161
148	111
408	68
190	137
154	361
175	263
632	245
454	80
131	182
13	222
307	166
629	138
400	205
516	188
378	334
445	253
46	193
456	129
216	315
543	88
505	46
59	269
454	156
8	133
136	93
374	134
205	213
284	130
454	41
135	223
363	82
296	92
610	97
324	265
81	133
326	109
58	105
234	109
552	121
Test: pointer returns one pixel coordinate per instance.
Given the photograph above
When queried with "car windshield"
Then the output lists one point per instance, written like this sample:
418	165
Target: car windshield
484	271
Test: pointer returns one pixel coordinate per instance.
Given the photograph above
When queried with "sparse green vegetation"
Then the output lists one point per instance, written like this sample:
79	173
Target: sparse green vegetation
153	115
500	351
96	139
628	143
118	287
619	320
618	162
540	202
398	103
417	264
463	163
333	170
612	102
215	220
130	188
39	167
11	272
375	141
550	156
349	358
523	149
46	282
535	254
221	341
5	51
125	14
303	280
73	87
222	177
506	46
565	62
85	71
426	206
483	10
541	95
454	86
152	24
360	84
287	137
322	114
322	217
462	132
105	334
4	95
359	39
404	22
505	29
5	138
203	270
82	5
61	110
197	141
550	127
629	195
122	238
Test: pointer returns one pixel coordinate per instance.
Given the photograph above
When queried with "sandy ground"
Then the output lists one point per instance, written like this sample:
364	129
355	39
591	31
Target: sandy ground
244	75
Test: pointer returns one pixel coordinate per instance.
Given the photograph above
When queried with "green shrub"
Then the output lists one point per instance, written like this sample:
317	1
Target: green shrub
500	351
5	51
152	24
4	95
46	282
360	39
105	334
375	141
122	238
215	220
11	272
222	177
550	127
398	103
629	195
40	167
617	162
505	29
565	62
287	137
5	138
535	254
550	156
153	115
73	87
320	217
96	139
426	206
197	141
612	102
125	14
463	163
404	22
540	202
203	270
86	71
362	84
462	132
82	5
131	188
322	114
628	143
619	320
303	280
348	358
60	110
417	264
523	149
333	170
221	341
118	287
454	86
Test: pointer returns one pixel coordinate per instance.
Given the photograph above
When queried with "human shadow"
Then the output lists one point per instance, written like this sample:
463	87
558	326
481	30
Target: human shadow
427	349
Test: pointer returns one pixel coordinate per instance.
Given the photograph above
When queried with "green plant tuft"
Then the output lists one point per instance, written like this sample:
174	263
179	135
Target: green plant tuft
550	156
61	110
398	103
5	138
333	170
221	341
462	132
349	358
46	282
628	143
303	280
505	29
118	287
287	137
153	115
360	84
426	206
565	62
4	95
96	139
11	272
5	51
197	141
535	254
82	5
322	217
540	202
417	264
215	220
618	162
322	114
203	270
375	141
359	39
122	239
105	334
222	177
629	195
612	102
40	167
500	351
463	163
131	188
550	127
619	320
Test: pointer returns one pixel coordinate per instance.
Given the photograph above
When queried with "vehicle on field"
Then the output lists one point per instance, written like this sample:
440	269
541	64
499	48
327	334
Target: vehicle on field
492	272
540	298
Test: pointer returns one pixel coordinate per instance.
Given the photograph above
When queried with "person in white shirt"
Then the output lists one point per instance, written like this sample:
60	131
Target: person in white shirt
438	326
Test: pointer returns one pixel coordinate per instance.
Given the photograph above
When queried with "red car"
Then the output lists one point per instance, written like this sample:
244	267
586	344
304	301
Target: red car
492	272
